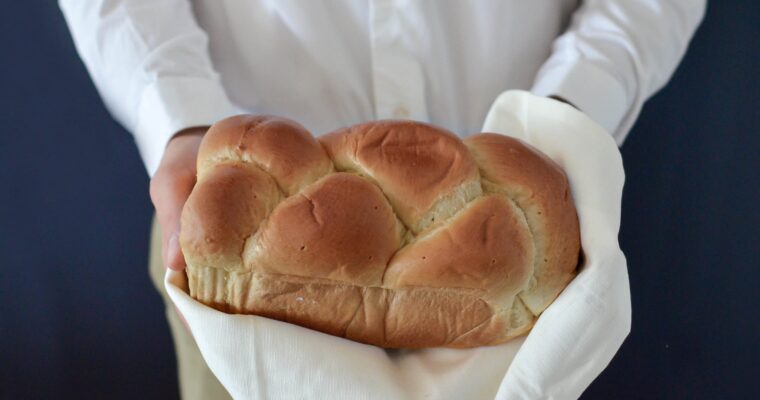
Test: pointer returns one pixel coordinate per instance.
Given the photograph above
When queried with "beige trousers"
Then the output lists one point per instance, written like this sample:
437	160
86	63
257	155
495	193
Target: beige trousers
196	381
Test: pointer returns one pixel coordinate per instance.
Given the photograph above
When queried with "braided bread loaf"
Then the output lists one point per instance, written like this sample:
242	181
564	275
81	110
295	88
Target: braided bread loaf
392	233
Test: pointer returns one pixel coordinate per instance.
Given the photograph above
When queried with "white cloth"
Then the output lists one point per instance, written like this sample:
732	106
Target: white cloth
571	343
165	65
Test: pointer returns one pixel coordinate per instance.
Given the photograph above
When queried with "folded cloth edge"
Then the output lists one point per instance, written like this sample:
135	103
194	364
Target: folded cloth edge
566	366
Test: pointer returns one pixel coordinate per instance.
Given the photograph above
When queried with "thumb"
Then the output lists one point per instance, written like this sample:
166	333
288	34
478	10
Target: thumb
174	257
169	192
170	188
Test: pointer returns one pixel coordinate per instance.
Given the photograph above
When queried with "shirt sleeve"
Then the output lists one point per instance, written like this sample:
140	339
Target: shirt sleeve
150	63
616	54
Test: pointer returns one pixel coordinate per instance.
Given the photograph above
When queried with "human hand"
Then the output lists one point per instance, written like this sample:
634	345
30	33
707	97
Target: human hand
170	188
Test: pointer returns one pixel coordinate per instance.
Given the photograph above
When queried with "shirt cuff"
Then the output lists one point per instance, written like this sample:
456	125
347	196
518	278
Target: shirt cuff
171	104
589	88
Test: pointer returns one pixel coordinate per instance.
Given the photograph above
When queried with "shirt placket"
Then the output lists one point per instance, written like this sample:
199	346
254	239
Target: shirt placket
397	79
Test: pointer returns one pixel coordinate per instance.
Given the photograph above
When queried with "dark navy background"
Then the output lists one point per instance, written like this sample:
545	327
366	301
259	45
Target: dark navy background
80	319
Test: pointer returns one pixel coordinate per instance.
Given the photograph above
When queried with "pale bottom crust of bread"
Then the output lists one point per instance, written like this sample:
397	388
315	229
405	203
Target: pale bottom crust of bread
407	317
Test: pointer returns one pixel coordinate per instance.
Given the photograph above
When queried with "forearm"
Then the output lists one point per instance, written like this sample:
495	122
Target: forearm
150	63
616	54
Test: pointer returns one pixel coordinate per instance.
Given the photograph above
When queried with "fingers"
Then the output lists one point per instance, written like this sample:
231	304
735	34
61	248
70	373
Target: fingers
174	257
169	190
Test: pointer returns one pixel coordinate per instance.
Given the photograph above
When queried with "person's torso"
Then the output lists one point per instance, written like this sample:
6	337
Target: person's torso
329	64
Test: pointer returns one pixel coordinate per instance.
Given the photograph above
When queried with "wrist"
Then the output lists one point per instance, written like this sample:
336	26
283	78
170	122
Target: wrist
196	130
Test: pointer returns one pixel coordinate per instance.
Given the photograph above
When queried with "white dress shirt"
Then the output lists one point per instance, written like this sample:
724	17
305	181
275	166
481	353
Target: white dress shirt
165	65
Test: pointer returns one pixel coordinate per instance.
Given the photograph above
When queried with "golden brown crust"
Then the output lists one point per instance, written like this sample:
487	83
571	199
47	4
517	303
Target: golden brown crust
392	233
486	247
415	164
540	188
339	228
226	206
281	147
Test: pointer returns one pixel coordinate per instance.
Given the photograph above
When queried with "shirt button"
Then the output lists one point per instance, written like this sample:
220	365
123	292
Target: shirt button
401	112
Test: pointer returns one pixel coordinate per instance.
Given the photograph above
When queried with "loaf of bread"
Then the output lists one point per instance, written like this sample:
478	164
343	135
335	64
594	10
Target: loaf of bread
392	233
